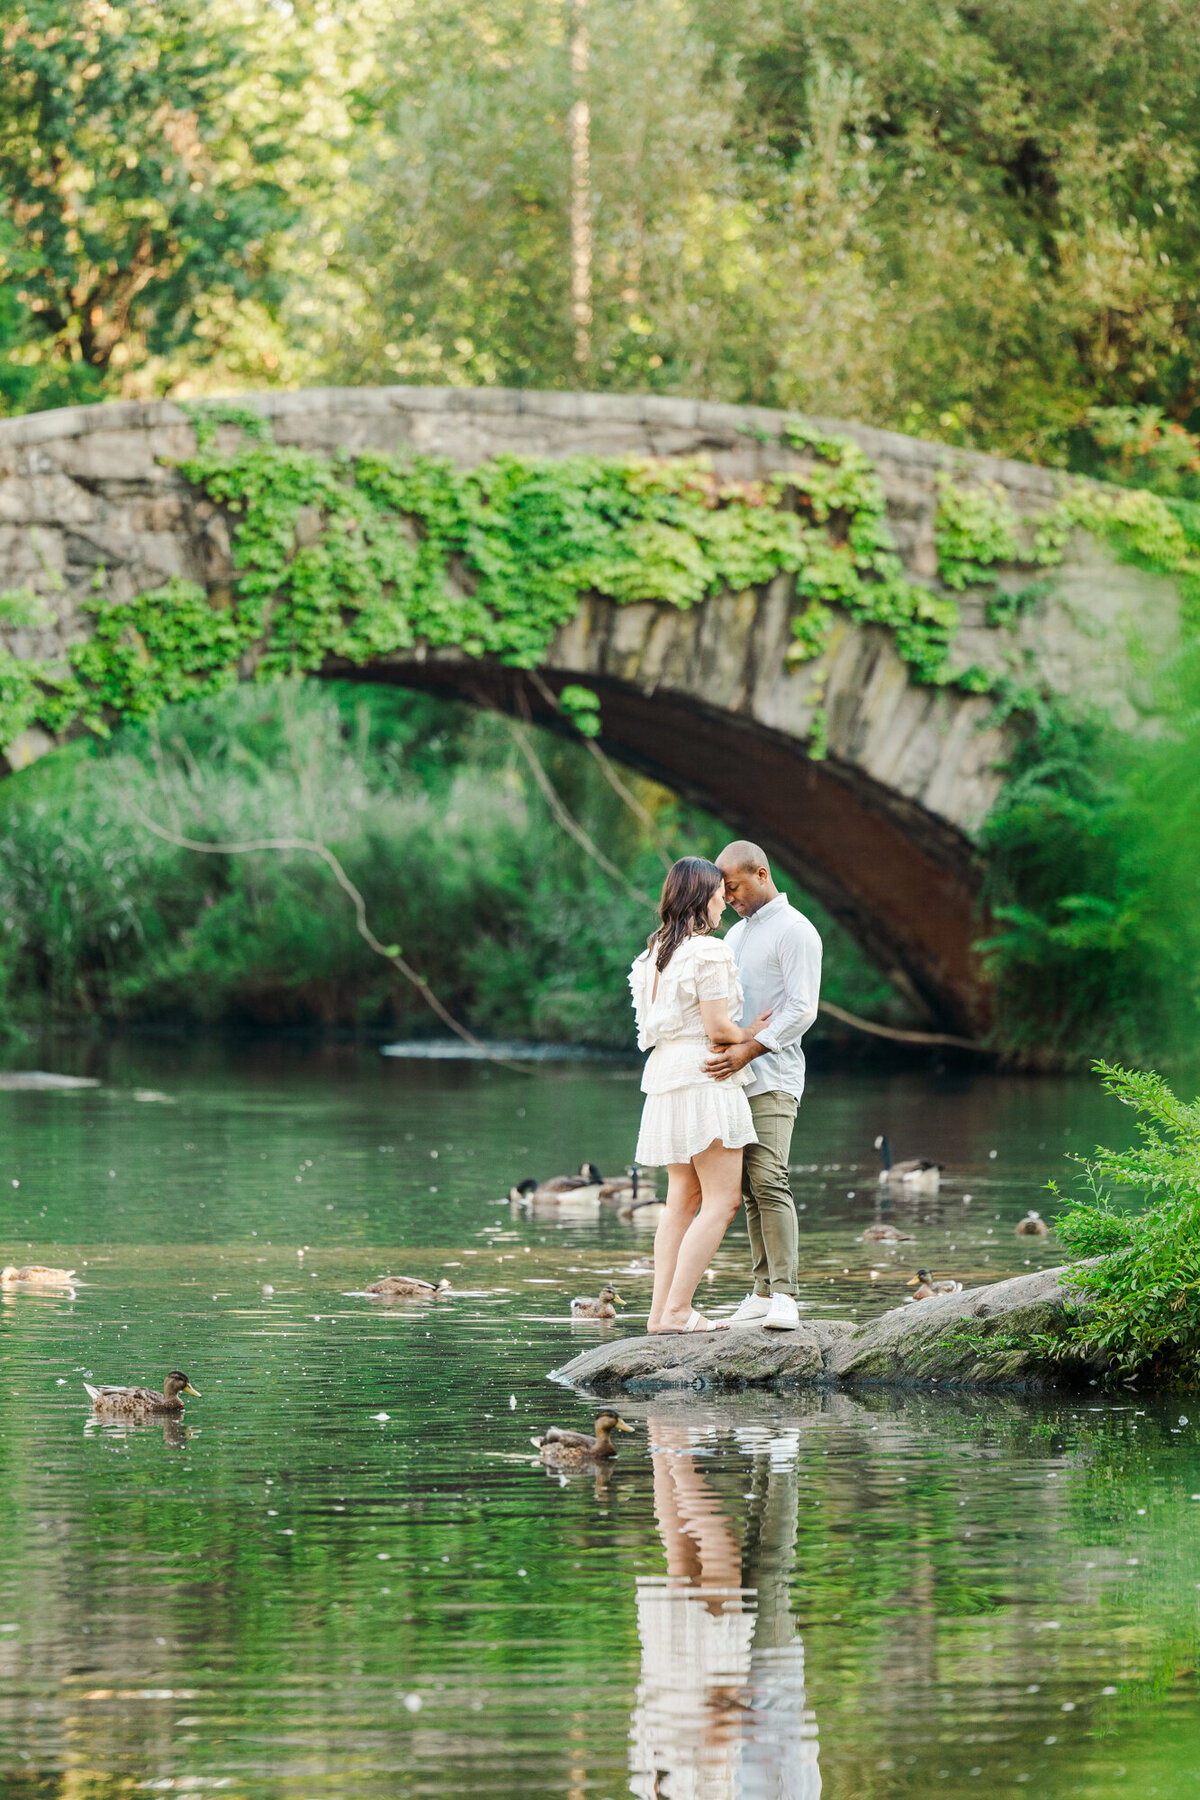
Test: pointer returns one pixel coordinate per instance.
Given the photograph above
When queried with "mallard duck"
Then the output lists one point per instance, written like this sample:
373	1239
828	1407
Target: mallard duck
885	1234
576	1447
601	1307
925	1287
35	1275
142	1399
1032	1225
918	1175
408	1287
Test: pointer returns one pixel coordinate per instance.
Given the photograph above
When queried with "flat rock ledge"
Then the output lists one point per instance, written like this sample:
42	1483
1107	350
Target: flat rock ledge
984	1338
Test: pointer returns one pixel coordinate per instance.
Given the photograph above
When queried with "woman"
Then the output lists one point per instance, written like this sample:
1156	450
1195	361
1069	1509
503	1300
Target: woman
686	996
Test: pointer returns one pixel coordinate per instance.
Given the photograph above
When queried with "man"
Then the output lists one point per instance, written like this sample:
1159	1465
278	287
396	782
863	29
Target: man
778	954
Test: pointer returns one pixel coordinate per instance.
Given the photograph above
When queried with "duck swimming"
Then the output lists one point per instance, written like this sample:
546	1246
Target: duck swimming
35	1275
918	1175
926	1287
604	1306
885	1234
136	1400
408	1287
1032	1225
559	1449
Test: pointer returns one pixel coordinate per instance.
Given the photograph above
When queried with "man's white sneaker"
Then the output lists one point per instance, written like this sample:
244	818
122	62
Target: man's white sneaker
753	1310
782	1314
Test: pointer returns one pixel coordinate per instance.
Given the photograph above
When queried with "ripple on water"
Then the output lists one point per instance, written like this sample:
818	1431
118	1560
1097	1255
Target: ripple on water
344	1570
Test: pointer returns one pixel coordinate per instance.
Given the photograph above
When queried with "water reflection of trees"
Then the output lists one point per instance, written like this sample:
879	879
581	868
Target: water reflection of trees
939	1556
962	1571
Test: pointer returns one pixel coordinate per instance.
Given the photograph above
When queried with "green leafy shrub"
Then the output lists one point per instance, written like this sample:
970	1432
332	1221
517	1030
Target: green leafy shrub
430	810
1139	447
1092	884
1139	1285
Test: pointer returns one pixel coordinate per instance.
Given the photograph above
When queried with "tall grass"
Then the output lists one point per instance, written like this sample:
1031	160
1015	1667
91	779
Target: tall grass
431	812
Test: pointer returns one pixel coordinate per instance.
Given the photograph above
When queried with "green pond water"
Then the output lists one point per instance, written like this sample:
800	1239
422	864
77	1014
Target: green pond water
345	1573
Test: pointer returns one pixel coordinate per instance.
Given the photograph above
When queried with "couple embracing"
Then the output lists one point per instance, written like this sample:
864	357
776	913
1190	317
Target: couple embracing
721	1097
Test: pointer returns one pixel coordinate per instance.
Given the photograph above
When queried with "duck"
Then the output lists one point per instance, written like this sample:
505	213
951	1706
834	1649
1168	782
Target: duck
885	1234
602	1307
35	1275
408	1287
918	1175
1032	1225
925	1287
142	1399
559	1448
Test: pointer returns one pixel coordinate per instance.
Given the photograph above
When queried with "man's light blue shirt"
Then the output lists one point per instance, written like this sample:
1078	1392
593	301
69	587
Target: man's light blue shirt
778	954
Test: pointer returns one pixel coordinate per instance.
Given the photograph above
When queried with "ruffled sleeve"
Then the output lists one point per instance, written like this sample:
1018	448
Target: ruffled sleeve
639	991
716	972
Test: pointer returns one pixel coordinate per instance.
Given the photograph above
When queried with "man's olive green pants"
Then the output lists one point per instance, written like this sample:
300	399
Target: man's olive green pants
767	1193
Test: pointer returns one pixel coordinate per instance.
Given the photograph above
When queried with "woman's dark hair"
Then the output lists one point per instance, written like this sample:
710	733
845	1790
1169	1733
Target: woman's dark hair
683	905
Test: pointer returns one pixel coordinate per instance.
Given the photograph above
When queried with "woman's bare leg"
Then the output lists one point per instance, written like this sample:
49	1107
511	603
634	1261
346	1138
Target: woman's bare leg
683	1203
719	1172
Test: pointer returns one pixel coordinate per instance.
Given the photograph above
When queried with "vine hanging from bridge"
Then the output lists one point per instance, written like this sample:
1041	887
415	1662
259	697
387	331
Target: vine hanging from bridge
357	557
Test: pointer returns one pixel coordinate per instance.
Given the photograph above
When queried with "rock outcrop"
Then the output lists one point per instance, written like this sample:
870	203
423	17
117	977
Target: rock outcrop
997	1336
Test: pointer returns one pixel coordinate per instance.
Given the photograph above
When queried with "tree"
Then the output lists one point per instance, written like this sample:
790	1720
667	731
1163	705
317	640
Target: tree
1032	232
463	242
142	160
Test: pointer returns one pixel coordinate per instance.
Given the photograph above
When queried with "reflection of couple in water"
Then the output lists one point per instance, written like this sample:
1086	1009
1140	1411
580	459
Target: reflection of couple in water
720	1711
721	1097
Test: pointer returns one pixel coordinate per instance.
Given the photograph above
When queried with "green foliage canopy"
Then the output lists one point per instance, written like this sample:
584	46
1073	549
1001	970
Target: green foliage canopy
143	162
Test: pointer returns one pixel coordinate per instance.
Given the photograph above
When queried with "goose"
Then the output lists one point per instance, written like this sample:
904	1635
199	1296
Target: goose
1032	1225
624	1189
572	1189
646	1211
918	1175
925	1287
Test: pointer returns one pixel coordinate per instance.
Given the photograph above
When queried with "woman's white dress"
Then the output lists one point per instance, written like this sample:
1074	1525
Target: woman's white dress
685	1110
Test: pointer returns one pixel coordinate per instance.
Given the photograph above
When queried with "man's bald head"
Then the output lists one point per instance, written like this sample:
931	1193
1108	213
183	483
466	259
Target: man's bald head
747	873
742	854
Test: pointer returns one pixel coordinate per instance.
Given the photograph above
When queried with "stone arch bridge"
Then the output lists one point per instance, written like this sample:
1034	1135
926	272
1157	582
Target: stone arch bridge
881	828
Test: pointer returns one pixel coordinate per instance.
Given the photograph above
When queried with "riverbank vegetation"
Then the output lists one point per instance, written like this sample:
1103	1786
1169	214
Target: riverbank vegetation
1139	1281
1092	886
436	816
976	226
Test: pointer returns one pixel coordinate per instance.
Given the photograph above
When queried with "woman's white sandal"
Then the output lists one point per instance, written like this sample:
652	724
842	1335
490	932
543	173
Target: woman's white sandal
696	1322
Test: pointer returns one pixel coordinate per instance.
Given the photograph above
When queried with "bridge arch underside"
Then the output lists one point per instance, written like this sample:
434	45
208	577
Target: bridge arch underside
904	883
